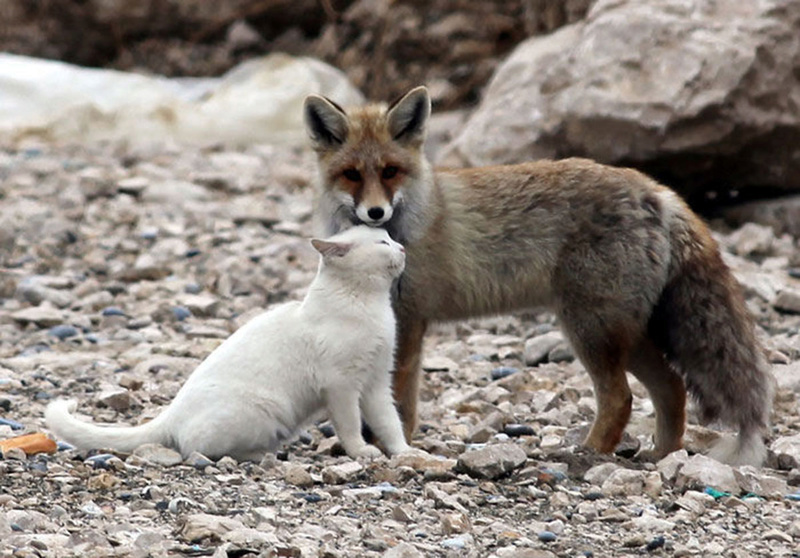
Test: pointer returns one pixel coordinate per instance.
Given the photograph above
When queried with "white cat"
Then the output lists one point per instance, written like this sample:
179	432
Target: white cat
332	351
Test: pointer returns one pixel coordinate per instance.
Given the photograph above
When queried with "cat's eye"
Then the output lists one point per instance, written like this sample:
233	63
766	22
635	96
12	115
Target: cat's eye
383	242
389	172
352	175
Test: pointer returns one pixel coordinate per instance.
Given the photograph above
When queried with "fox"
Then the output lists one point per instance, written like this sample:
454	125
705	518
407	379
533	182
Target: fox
634	277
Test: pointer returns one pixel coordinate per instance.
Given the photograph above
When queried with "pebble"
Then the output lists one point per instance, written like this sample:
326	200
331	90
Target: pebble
158	455
537	348
546	536
491	462
503	372
700	471
181	313
112	311
516	430
341	473
63	332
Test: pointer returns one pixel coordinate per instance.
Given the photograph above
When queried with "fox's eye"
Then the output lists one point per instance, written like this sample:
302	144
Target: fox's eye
352	174
383	242
389	171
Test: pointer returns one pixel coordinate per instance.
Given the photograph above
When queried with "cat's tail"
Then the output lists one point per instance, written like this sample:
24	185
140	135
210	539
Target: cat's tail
84	435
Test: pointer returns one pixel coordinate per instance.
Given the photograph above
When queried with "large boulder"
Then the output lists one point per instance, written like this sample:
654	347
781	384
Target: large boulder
704	95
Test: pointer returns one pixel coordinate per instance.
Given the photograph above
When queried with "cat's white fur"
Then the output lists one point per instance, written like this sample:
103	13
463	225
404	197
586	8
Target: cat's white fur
333	351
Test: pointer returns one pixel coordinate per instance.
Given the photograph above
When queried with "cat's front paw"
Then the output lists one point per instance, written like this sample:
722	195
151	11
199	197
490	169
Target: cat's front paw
365	452
397	449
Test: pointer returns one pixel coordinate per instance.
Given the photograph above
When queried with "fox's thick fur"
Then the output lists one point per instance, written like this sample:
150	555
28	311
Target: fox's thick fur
633	275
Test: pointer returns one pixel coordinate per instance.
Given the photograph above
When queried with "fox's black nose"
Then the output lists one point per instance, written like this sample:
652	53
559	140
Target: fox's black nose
375	213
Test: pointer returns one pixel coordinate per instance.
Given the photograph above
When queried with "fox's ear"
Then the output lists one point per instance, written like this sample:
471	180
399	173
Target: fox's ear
408	116
331	249
326	121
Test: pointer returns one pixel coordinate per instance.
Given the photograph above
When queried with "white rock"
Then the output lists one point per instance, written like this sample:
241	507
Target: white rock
700	472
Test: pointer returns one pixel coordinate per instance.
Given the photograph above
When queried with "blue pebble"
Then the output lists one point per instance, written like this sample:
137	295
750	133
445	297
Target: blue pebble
193	288
192	252
113	311
92	338
63	331
12	423
149	235
64	446
793	497
99	461
312	498
181	313
547	536
39	465
657	542
503	372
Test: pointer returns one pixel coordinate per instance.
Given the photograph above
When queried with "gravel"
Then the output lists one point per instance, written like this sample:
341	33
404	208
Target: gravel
121	268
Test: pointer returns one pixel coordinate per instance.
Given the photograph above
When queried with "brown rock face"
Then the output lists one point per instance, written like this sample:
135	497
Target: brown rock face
704	95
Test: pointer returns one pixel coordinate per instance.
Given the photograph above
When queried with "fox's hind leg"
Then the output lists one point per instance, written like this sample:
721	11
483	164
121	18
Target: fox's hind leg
407	371
604	354
668	393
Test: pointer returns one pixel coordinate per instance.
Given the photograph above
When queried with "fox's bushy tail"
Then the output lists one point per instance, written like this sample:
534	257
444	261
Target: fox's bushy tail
85	435
703	326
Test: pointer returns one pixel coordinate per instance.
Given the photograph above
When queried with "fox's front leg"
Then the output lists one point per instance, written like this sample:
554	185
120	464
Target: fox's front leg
407	371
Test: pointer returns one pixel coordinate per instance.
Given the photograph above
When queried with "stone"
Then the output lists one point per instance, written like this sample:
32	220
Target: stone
158	455
423	462
42	316
296	475
787	448
599	473
199	305
119	400
788	300
456	522
341	473
624	482
491	462
756	481
700	472
670	464
537	348
403	550
752	240
200	527
614	88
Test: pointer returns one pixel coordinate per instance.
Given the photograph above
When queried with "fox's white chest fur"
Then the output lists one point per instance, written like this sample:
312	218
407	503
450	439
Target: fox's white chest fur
331	352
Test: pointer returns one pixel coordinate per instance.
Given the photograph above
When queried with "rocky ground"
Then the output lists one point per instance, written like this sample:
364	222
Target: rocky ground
121	268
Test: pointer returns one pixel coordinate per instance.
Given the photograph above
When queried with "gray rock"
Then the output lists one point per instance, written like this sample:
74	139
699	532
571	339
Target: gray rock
614	88
403	550
700	471
42	316
787	448
341	473
199	527
599	473
492	461
624	482
537	348
119	400
788	300
158	454
752	240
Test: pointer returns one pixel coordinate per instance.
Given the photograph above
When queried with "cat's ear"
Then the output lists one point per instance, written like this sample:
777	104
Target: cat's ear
408	116
331	249
326	122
